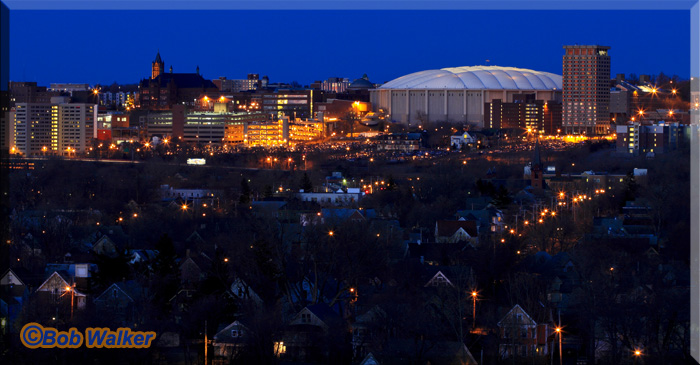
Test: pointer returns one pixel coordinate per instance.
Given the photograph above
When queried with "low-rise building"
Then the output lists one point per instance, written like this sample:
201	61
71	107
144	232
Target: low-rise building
339	198
636	138
405	142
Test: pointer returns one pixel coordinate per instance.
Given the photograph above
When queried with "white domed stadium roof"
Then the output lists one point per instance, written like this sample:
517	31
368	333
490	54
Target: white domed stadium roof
478	78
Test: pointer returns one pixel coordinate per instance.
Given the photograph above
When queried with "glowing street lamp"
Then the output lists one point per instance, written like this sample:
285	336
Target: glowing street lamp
474	295
559	331
637	355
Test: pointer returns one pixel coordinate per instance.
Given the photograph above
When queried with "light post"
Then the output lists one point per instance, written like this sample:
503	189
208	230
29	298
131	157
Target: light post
474	294
72	296
637	355
561	358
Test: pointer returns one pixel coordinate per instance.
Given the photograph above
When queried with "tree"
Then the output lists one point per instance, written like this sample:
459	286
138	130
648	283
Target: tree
165	261
502	199
165	281
245	192
306	184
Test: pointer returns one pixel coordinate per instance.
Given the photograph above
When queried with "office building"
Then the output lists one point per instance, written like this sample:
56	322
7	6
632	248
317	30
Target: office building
251	83
291	103
201	127
586	98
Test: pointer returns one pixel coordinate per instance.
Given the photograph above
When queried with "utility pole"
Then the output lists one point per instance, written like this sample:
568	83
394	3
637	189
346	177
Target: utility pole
206	343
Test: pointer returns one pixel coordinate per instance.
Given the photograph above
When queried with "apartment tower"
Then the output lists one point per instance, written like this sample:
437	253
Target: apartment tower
586	83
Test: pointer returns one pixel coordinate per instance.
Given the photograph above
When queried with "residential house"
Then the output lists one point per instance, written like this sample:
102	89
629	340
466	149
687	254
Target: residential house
111	242
13	293
369	360
437	254
241	290
230	339
193	269
295	210
522	336
342	215
78	274
462	139
456	231
490	219
268	208
368	331
439	279
58	297
310	333
411	351
142	257
122	302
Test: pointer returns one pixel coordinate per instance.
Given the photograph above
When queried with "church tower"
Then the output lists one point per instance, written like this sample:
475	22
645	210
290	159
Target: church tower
157	67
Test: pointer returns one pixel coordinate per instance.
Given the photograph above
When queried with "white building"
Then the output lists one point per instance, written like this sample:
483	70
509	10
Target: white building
338	198
457	95
460	140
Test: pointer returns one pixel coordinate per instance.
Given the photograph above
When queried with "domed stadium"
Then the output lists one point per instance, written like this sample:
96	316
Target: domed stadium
458	94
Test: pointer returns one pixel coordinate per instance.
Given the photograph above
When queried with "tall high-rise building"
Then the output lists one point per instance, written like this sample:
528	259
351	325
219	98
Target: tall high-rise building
586	83
56	128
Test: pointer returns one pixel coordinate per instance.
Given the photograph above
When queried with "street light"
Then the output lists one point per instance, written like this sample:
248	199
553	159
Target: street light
72	295
474	294
637	355
561	359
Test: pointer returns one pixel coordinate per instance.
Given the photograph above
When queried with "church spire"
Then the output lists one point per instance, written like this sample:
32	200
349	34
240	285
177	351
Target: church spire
536	161
157	66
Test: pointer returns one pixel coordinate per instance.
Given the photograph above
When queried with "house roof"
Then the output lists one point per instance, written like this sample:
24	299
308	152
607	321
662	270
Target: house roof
224	333
340	215
11	278
438	352
369	360
511	312
448	228
131	288
478	203
323	312
436	251
61	278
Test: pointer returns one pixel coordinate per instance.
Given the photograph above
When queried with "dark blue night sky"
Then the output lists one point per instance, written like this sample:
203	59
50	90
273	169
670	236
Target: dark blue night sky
107	46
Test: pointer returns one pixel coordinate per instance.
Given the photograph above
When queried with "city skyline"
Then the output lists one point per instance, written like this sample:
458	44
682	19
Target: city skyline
377	43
